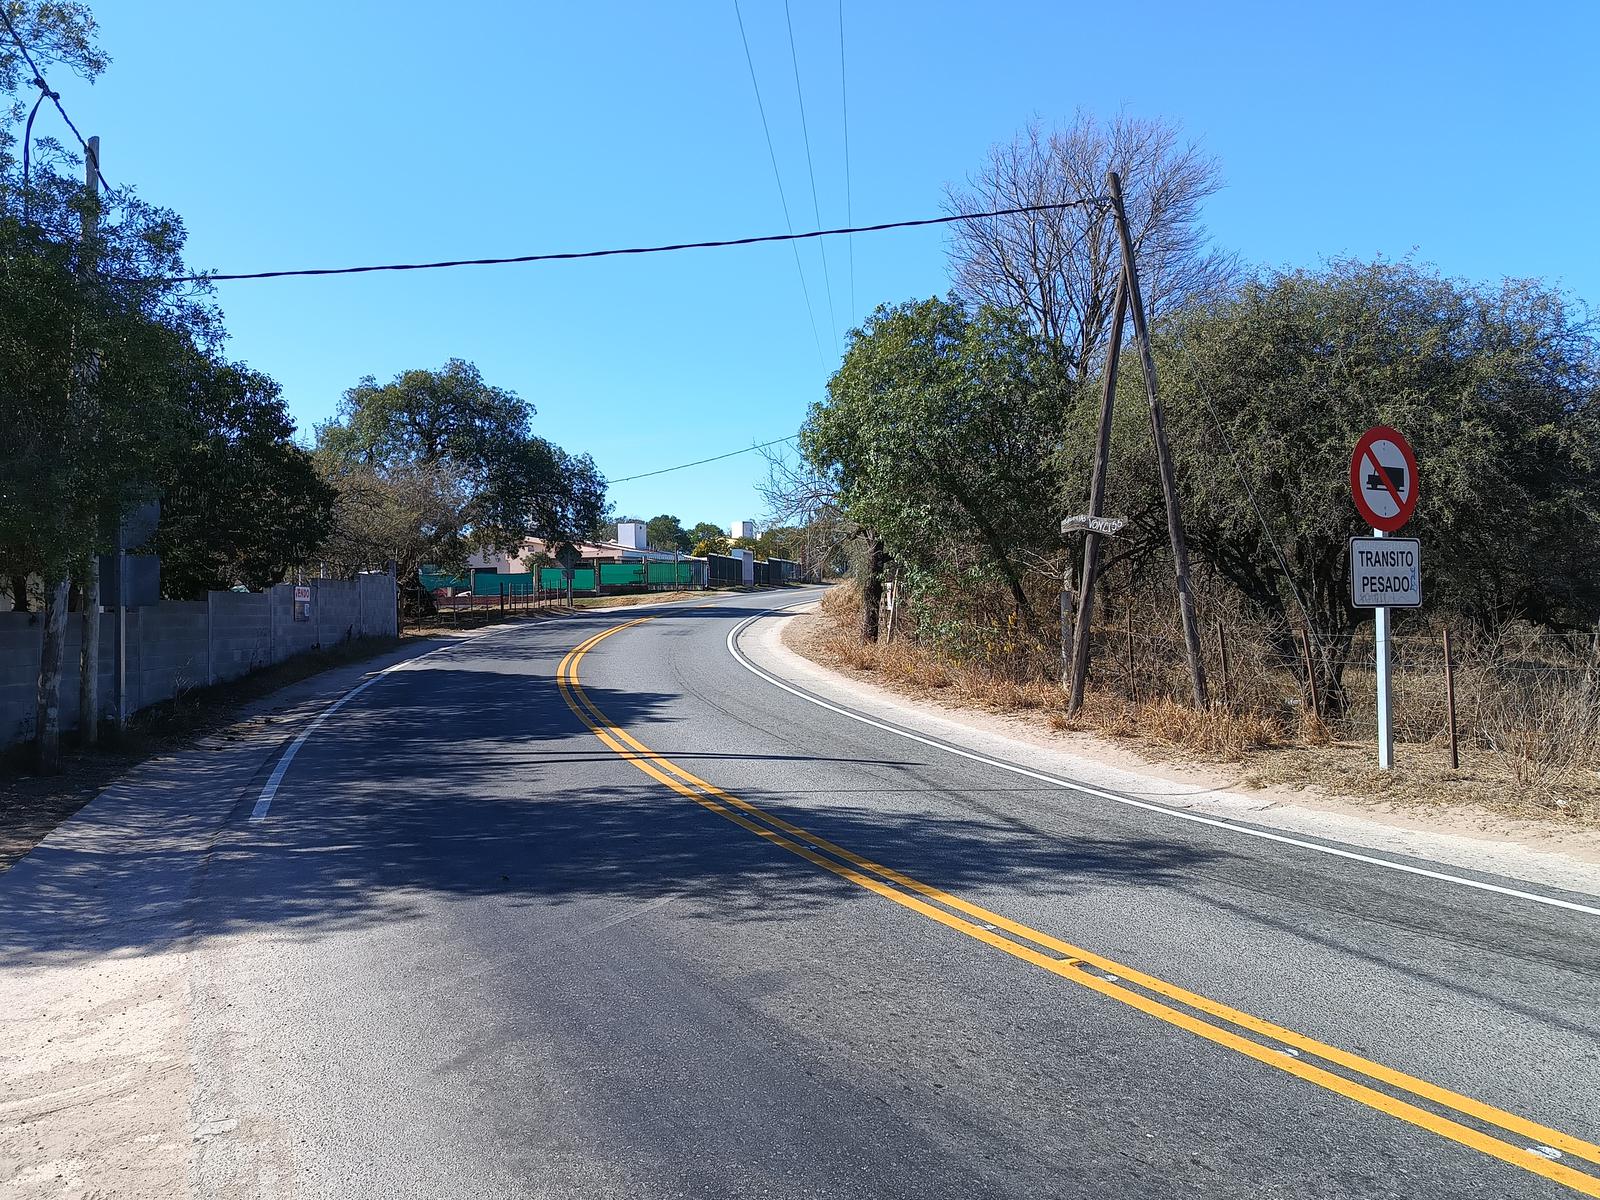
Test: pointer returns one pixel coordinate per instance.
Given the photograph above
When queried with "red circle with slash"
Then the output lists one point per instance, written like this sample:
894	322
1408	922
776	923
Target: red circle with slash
1383	478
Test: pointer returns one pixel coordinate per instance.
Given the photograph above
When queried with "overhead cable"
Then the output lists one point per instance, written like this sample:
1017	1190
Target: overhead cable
573	255
44	88
778	176
702	461
811	170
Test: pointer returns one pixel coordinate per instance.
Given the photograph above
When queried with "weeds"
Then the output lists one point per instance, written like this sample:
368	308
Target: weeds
1527	703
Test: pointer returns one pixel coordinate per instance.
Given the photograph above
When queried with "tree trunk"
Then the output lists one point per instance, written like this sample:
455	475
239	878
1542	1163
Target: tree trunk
416	601
47	718
89	661
872	590
19	593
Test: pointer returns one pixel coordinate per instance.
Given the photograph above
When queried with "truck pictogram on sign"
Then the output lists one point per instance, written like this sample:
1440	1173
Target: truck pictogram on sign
1383	478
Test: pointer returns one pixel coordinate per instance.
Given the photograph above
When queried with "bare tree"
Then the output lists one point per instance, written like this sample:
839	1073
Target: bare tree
1059	267
798	495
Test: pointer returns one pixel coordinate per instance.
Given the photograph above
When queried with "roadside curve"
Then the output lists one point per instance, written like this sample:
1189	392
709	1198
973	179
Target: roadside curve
1176	1005
1243	829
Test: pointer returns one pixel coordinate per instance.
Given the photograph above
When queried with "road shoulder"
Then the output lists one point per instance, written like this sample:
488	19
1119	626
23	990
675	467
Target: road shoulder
1482	842
97	1089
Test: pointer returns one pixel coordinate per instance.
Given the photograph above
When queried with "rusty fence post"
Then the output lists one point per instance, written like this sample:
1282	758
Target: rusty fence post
1450	702
1133	674
1311	673
1222	654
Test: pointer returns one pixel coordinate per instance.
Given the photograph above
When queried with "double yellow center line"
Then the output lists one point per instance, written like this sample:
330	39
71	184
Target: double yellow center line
1270	1044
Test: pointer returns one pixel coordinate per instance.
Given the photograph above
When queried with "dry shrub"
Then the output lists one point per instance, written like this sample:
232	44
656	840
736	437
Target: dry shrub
1527	702
1217	732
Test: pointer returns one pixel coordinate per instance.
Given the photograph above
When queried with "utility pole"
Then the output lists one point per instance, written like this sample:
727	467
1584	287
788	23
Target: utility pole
1097	495
89	657
1169	489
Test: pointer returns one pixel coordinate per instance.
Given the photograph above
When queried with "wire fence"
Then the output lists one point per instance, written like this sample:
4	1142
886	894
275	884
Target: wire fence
1520	697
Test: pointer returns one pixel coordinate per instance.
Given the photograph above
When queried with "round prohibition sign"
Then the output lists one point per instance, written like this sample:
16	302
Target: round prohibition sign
1383	478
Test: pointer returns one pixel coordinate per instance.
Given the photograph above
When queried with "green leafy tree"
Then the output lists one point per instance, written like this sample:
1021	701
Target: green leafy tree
713	543
704	530
243	503
91	342
666	532
460	455
938	432
1494	387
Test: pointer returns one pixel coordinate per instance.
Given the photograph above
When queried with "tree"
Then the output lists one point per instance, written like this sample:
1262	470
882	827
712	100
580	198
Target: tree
938	432
1495	387
92	332
403	515
715	543
1058	268
458	455
604	527
803	502
242	502
706	530
666	532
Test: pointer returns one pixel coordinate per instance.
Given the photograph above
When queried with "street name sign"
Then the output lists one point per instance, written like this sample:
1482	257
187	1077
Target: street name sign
1085	524
1385	572
1383	478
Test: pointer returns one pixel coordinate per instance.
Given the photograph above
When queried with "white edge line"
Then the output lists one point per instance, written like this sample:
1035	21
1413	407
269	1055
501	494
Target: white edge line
1056	781
264	801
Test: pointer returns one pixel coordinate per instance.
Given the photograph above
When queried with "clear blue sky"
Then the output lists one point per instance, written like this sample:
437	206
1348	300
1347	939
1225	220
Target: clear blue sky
302	134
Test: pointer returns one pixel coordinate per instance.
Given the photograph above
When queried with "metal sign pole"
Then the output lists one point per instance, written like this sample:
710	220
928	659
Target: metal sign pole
1381	645
119	633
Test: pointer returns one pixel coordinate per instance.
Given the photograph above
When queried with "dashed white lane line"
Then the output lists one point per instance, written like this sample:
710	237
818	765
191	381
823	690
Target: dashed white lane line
1196	818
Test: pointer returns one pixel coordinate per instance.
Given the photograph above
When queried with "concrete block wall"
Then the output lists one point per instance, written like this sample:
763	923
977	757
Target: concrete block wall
377	610
176	646
174	652
241	634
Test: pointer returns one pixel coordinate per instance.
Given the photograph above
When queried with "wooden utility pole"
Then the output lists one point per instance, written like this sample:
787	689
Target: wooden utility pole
89	658
1169	489
1097	494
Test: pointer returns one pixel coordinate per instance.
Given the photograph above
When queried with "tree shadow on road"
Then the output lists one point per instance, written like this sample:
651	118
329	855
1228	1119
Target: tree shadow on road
453	788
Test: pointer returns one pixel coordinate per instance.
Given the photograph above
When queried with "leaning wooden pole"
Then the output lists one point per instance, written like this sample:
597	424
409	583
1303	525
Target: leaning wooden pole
1097	495
1169	489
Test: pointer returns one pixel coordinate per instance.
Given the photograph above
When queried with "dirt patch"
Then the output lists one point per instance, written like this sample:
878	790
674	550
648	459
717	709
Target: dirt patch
1296	762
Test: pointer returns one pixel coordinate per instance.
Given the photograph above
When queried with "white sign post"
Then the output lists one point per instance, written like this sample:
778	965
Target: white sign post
1385	572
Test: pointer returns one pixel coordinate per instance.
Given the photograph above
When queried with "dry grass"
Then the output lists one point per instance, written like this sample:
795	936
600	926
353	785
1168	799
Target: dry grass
1528	715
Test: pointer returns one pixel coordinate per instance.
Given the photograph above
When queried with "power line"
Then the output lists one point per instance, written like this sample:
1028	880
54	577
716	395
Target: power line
849	210
572	255
55	97
773	155
702	461
816	209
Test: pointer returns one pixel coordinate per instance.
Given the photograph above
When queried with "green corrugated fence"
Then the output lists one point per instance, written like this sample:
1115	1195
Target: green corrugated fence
634	574
553	579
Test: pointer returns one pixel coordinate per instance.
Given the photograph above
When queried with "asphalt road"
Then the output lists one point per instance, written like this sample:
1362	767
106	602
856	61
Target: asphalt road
637	923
